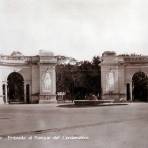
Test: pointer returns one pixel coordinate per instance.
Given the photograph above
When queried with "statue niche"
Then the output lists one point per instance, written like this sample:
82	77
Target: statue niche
110	82
46	82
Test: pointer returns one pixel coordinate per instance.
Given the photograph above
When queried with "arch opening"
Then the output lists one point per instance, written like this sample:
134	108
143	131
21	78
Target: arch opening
140	87
15	88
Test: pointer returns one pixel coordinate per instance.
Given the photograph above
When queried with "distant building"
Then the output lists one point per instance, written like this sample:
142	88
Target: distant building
27	79
124	76
66	60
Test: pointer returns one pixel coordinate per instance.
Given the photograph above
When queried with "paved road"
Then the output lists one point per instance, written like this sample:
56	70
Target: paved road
53	126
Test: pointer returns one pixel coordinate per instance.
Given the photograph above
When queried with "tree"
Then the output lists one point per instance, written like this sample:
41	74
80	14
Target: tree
79	79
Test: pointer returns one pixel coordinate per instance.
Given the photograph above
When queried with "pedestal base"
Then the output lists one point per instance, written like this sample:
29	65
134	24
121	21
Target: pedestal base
47	99
115	97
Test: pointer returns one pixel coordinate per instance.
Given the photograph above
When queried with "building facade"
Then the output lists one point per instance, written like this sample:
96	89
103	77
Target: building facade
124	77
27	79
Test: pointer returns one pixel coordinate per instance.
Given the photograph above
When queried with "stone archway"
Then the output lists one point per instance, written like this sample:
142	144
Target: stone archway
15	88
140	86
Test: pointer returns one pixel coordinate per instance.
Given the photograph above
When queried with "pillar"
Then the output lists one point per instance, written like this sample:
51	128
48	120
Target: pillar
6	86
131	92
25	92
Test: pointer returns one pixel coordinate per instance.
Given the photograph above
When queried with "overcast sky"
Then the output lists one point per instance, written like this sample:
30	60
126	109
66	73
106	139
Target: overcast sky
77	28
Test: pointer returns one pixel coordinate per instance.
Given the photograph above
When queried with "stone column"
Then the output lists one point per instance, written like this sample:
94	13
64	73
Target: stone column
24	92
131	92
2	93
6	93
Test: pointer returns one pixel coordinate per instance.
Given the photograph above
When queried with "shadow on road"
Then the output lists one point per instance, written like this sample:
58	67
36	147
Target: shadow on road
89	106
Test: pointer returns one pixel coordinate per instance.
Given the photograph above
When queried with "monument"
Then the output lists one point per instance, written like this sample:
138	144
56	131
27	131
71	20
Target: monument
28	79
124	76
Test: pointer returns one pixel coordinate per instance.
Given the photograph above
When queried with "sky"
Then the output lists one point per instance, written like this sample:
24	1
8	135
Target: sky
77	28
